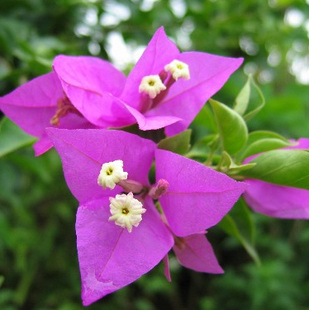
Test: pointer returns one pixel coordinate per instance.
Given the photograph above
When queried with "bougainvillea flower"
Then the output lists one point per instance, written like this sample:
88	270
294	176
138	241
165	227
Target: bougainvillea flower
114	250
277	200
166	88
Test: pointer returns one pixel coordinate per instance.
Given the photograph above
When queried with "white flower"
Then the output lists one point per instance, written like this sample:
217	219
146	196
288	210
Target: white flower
111	173
178	69
151	85
126	211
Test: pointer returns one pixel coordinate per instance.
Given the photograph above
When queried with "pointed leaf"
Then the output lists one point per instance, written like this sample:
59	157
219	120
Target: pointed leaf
232	128
205	120
283	167
228	166
178	144
255	143
259	106
12	137
202	147
265	145
242	99
264	134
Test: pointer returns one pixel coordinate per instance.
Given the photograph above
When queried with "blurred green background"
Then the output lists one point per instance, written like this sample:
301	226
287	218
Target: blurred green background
38	260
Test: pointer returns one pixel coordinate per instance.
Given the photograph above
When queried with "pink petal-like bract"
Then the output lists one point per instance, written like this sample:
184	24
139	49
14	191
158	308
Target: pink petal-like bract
195	252
198	196
32	105
93	86
159	52
300	144
186	97
166	270
109	256
83	151
107	99
277	200
103	97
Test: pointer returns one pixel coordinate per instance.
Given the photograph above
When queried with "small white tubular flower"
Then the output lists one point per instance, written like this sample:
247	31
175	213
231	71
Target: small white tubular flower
111	173
178	69
152	85
126	211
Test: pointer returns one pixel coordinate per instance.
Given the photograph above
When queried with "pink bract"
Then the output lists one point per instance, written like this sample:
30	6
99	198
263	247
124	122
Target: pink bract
109	256
101	96
107	99
33	105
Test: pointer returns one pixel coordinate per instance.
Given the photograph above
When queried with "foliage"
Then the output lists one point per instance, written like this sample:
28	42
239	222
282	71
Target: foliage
38	261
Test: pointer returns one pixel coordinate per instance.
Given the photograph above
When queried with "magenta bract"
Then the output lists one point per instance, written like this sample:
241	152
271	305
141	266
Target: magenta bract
88	92
107	99
110	257
33	105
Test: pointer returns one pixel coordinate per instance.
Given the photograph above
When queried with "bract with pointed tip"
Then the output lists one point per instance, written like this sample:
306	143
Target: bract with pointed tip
117	102
198	197
195	252
110	257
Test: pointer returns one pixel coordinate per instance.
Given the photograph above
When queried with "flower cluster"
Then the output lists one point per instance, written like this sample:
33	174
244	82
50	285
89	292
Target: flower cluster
165	89
121	235
125	224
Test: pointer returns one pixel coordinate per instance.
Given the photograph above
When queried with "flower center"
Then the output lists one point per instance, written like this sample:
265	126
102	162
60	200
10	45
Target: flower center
151	85
126	211
111	173
178	69
156	86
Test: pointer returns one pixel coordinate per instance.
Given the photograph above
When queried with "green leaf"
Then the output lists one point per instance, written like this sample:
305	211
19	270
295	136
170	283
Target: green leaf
259	106
12	137
239	224
179	143
242	99
232	128
205	119
202	147
228	166
261	141
283	167
264	134
265	145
